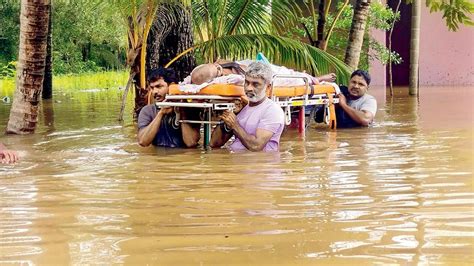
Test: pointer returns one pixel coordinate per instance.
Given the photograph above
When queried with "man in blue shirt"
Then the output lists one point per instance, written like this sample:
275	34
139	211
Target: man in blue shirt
159	126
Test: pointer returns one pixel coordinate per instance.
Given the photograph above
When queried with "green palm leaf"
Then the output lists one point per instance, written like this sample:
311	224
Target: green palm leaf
285	15
279	50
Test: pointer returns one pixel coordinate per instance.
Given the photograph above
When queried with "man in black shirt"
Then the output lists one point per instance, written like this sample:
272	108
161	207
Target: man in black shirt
158	126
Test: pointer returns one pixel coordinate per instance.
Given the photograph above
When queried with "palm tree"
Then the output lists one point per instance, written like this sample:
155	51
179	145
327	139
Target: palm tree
171	34
34	18
139	16
240	29
356	35
414	46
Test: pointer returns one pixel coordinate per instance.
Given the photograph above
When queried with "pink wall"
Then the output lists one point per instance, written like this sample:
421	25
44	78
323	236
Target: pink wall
378	71
446	58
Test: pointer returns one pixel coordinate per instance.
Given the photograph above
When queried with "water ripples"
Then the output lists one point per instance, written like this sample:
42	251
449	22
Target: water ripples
392	194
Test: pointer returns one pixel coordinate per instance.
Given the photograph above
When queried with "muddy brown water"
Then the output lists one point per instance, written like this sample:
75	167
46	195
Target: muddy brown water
400	192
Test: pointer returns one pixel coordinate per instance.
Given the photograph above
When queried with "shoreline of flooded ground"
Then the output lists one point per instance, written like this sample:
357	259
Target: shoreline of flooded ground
400	192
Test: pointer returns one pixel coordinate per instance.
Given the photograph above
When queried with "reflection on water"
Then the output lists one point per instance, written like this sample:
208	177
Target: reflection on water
86	193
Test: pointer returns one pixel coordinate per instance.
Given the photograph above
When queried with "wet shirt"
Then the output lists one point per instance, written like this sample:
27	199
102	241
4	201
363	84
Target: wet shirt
365	103
168	135
268	116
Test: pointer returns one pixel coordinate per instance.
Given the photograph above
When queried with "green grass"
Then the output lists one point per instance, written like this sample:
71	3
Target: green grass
100	80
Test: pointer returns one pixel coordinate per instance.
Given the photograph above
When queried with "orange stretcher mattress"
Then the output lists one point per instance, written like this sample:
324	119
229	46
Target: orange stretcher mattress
234	90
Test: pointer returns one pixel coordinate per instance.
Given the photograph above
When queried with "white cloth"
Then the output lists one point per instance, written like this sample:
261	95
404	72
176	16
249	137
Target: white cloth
192	88
292	78
295	78
187	87
336	87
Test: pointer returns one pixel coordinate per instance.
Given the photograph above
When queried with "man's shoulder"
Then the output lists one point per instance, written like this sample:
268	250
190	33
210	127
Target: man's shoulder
272	103
274	110
273	106
364	99
369	97
149	109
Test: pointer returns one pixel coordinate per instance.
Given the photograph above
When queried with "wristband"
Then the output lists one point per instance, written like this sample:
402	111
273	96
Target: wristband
225	128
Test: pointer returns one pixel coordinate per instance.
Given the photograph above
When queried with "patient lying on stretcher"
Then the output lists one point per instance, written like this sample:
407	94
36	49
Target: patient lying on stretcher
228	72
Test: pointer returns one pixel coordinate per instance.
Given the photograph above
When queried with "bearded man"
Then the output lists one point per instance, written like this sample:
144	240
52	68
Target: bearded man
259	125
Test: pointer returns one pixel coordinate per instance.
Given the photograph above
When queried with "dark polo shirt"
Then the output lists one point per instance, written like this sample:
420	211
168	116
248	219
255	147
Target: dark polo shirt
168	135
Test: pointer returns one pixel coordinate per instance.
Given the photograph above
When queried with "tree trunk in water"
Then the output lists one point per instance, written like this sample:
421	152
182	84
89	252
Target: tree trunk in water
356	35
170	35
48	69
415	46
178	40
34	19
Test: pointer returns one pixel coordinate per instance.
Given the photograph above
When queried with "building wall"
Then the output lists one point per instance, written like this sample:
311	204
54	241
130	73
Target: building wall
446	58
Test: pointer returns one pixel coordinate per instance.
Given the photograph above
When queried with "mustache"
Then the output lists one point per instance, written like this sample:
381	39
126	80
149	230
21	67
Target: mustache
158	96
250	94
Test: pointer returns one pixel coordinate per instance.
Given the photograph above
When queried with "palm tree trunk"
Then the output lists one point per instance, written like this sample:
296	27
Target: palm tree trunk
48	70
179	39
171	34
321	23
161	27
356	35
414	47
34	18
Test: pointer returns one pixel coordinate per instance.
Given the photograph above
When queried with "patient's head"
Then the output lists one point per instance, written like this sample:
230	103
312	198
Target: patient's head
205	73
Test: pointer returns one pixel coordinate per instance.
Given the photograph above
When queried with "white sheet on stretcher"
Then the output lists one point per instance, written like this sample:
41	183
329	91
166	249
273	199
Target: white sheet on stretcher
237	79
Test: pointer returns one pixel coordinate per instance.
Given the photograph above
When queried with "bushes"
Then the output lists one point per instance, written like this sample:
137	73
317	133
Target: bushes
7	70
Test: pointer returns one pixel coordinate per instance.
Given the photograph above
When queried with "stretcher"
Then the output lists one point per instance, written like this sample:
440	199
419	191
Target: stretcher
219	97
297	98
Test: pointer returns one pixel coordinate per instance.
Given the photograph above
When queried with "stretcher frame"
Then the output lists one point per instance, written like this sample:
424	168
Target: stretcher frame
211	103
301	101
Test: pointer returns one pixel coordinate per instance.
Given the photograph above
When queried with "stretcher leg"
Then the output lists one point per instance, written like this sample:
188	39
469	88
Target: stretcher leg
301	120
332	112
287	116
207	128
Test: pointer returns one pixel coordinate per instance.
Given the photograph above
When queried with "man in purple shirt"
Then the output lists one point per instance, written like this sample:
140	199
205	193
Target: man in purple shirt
259	125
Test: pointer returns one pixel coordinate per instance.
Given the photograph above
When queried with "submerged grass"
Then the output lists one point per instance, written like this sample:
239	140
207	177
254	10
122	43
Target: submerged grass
71	82
99	80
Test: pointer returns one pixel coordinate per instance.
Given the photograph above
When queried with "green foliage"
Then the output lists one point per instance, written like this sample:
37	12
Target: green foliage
98	80
112	81
279	50
9	30
87	35
8	70
242	28
380	18
455	12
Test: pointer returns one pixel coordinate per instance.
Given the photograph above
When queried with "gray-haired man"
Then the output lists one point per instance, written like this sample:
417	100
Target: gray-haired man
259	125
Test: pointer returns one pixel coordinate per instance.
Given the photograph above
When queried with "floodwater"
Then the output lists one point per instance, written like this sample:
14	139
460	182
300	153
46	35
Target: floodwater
400	192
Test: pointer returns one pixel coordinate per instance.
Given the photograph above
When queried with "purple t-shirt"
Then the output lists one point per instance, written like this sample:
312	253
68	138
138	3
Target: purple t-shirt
268	116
